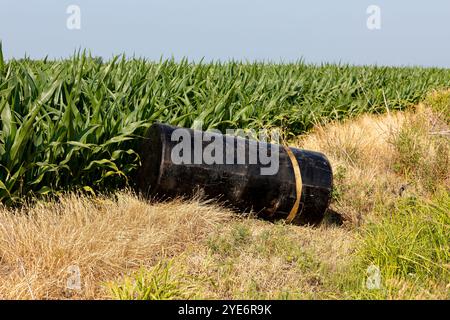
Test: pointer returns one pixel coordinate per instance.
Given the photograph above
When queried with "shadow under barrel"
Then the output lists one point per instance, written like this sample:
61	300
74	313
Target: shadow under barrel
271	180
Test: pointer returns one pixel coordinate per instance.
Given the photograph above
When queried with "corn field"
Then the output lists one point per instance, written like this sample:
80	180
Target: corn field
77	124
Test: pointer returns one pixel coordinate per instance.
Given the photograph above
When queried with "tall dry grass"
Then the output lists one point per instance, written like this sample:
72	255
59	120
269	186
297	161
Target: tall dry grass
104	238
377	158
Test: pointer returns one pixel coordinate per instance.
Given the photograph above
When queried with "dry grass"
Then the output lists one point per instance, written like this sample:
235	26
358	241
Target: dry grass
109	238
213	253
361	157
257	260
376	159
104	238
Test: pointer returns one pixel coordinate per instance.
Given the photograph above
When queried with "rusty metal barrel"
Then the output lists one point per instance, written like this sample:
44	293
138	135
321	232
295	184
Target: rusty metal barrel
238	172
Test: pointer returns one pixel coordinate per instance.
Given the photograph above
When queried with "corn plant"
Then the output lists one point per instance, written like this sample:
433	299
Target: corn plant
78	123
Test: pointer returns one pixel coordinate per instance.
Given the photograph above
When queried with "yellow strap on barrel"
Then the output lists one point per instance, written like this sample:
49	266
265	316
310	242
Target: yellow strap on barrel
298	185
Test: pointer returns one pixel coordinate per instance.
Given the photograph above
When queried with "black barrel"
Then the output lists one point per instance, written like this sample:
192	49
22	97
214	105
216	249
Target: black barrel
300	198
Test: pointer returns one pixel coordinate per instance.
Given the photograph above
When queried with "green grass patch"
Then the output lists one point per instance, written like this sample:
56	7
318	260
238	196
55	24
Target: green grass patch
156	283
410	246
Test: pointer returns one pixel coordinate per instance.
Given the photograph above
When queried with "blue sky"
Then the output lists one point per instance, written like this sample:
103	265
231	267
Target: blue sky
413	32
